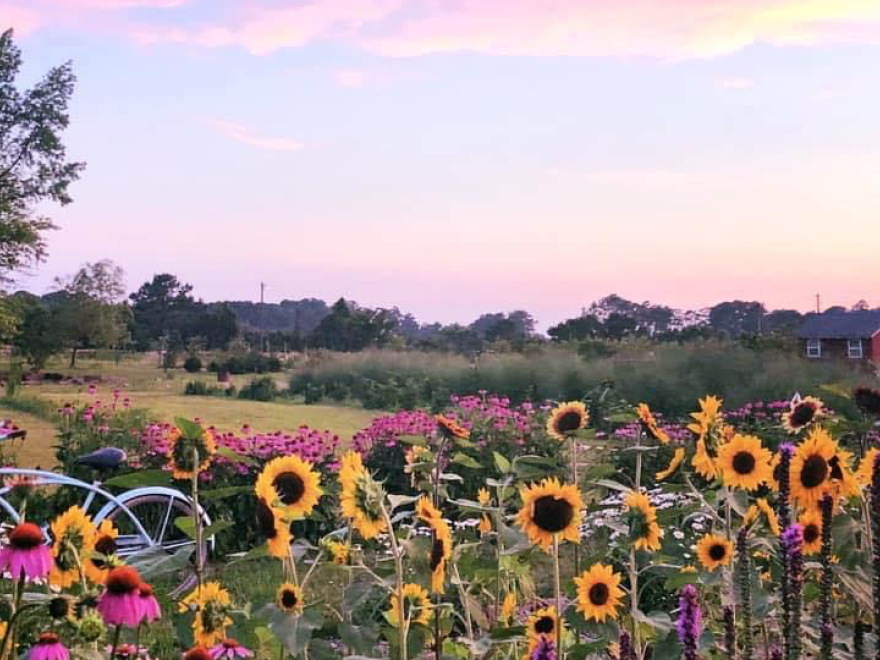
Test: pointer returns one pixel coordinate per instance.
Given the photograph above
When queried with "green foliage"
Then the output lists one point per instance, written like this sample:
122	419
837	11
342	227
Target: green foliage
260	389
192	364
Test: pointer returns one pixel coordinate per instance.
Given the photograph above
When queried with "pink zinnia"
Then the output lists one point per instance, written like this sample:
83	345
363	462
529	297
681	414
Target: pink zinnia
120	604
48	647
26	553
149	605
229	648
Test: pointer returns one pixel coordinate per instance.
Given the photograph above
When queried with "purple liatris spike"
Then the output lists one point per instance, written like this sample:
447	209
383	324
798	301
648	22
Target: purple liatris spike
625	644
776	653
792	550
875	528
545	650
827	583
690	620
729	633
782	474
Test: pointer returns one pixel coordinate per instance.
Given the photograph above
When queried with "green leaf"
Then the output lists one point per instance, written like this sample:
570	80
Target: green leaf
188	526
360	639
228	454
501	463
188	428
154	562
413	440
613	485
141	479
450	476
402	500
220	493
463	459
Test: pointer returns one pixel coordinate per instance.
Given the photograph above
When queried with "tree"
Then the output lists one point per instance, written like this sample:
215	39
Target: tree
577	329
86	310
736	318
164	307
33	163
39	336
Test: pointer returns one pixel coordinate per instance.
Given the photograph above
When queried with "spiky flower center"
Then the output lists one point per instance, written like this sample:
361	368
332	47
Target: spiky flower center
289	599
599	594
744	462
568	421
811	533
25	536
803	414
814	472
544	625
290	487
717	551
552	514
122	580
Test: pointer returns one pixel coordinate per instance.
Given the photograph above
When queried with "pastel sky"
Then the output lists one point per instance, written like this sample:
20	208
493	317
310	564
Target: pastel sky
459	156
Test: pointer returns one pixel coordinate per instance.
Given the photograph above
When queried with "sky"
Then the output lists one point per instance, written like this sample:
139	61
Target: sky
453	157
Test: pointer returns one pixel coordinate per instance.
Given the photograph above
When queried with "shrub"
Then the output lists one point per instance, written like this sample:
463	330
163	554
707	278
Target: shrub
192	364
260	389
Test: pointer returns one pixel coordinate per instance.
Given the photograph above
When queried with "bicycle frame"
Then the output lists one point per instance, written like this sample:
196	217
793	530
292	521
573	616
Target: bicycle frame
44	478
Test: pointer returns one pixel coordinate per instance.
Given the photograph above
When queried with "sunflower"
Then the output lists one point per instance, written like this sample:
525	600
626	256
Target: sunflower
508	605
441	543
274	528
714	551
417	606
550	509
289	598
96	565
703	462
339	552
290	483
73	539
541	625
649	424
744	462
361	497
843	480
708	416
484	498
566	418
811	468
598	593
868	400
761	506
180	450
674	464
811	521
643	528
802	413
865	473
212	605
450	428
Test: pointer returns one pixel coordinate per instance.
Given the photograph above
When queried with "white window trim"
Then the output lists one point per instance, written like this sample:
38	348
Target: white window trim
855	349
814	348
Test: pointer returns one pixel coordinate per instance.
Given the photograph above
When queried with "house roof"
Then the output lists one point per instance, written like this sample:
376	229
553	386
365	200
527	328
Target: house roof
841	325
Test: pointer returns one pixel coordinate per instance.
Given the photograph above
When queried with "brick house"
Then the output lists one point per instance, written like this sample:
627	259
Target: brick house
841	335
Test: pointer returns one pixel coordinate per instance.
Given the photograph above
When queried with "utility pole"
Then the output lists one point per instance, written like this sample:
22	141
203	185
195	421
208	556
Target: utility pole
262	316
817	304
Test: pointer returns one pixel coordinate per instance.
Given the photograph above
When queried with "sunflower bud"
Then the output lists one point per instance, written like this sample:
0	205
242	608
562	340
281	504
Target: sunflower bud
91	626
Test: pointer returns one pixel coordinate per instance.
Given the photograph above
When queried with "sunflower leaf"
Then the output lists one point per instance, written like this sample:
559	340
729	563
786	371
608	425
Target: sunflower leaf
140	479
235	457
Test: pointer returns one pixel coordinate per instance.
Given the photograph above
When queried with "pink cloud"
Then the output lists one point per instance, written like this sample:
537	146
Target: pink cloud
28	15
243	134
23	20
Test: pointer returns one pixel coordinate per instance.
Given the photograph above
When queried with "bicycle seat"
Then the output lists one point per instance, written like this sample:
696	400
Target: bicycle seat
106	458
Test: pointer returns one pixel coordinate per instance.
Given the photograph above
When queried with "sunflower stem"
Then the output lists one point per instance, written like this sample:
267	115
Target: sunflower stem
117	633
197	518
573	455
398	569
560	653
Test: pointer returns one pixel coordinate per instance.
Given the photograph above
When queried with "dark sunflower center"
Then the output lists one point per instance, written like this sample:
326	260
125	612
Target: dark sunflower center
266	520
744	462
288	598
717	552
811	533
552	514
599	594
803	414
106	546
437	549
836	471
25	536
544	625
59	607
814	471
868	400
568	421
290	487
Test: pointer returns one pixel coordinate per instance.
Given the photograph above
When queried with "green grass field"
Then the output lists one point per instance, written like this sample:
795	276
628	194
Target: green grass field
149	387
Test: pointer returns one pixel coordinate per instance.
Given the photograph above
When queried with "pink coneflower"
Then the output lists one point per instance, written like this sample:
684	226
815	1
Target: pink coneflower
149	605
26	553
92	390
229	648
48	647
120	604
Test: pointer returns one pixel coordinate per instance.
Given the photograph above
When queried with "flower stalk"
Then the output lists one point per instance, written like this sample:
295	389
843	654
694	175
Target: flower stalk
827	584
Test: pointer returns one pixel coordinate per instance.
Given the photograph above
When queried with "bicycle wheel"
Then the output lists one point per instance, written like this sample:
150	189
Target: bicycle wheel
157	514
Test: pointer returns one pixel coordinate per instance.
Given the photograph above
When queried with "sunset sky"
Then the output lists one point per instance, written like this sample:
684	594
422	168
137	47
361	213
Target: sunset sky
459	156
